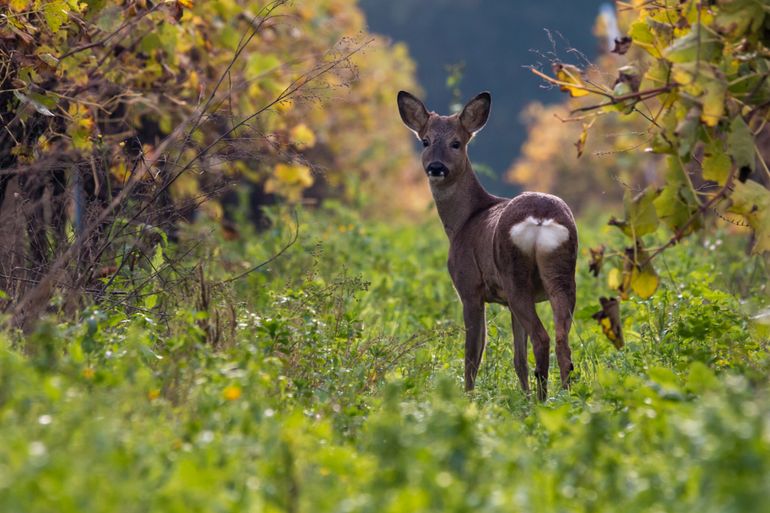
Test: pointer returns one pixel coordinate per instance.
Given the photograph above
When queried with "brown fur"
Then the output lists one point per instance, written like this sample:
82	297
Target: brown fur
484	263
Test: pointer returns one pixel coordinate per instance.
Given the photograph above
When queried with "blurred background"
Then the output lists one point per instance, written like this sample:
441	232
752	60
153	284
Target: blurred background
493	43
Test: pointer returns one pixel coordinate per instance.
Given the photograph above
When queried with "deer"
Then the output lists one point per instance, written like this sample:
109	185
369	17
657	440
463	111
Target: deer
515	252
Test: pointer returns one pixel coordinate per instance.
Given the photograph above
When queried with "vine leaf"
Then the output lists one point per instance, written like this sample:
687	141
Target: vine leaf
55	14
640	215
751	200
677	203
698	43
736	17
740	142
716	164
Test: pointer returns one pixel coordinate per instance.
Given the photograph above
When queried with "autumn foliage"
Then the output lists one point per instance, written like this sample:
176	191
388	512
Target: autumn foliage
135	115
694	76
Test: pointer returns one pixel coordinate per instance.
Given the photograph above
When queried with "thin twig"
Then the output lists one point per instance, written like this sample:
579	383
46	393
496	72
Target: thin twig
272	258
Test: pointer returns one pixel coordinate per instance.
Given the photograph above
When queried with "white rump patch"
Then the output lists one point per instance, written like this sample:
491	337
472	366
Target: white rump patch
541	235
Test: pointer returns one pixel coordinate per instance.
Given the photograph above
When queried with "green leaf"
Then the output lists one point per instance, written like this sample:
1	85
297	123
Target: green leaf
150	301
657	75
697	44
150	42
687	132
55	14
701	378
642	36
716	164
641	217
110	18
677	203
736	17
740	143
37	101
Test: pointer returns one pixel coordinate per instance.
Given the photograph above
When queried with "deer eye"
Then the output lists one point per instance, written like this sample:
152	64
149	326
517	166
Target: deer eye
455	145
425	143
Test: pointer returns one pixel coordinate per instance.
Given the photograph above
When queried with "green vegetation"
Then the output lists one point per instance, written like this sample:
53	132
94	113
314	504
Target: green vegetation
695	74
330	380
210	300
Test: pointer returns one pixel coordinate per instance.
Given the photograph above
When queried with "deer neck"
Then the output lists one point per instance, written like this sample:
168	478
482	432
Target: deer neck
458	201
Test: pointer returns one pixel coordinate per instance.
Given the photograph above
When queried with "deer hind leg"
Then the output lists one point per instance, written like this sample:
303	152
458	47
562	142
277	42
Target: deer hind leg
523	308
520	352
558	277
563	305
475	339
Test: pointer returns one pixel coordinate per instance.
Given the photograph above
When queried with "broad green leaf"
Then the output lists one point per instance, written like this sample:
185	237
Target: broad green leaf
697	44
736	17
716	164
150	42
677	203
687	132
150	301
740	143
657	75
642	36
110	18
55	14
640	216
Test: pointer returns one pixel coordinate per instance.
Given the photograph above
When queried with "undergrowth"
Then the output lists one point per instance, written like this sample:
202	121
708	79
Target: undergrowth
331	380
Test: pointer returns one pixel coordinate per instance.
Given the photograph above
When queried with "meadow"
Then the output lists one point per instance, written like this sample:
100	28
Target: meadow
330	379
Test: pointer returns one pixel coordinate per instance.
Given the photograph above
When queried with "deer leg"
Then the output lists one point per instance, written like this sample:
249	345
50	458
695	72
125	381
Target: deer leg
563	305
475	339
557	274
524	310
520	352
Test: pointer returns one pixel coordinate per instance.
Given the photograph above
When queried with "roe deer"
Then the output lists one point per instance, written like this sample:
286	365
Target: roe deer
515	252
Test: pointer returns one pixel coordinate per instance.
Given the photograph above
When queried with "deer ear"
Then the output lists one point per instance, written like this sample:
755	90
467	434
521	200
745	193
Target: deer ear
413	111
476	112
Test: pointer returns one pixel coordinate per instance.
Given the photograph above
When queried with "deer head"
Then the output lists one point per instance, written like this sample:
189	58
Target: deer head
444	138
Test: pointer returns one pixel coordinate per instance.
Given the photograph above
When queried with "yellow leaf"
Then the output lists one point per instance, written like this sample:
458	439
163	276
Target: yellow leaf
614	279
751	200
185	3
294	174
645	281
302	137
18	5
572	81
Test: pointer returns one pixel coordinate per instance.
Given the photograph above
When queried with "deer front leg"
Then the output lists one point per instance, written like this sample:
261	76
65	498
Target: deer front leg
475	339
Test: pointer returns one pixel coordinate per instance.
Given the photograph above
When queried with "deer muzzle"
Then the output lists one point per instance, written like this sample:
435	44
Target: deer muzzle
436	170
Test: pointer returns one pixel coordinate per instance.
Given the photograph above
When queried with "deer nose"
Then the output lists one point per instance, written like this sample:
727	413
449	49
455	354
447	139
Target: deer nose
436	169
